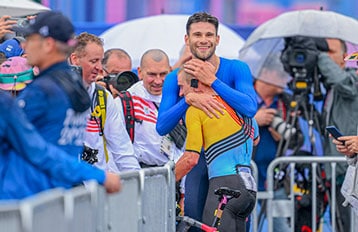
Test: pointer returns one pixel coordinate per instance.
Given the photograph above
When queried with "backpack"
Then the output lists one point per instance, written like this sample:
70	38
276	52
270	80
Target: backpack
128	111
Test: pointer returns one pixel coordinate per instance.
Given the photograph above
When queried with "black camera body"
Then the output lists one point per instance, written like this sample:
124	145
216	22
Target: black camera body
89	155
299	59
121	81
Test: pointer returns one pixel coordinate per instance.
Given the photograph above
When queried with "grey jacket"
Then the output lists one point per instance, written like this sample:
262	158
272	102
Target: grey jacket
342	109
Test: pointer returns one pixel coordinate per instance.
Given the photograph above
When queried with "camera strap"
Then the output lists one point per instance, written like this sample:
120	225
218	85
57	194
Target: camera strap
128	111
99	111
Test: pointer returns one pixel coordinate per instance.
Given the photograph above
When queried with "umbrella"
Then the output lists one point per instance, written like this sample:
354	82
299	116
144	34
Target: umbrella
165	32
268	37
312	23
19	8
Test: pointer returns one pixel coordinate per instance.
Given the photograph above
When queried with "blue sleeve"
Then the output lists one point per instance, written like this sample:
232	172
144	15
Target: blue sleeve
235	86
47	158
172	108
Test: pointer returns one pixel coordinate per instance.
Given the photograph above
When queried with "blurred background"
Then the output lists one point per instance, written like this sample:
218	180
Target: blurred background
96	16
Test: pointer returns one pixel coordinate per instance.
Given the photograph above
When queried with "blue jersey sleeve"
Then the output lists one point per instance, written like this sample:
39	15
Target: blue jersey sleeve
235	85
172	107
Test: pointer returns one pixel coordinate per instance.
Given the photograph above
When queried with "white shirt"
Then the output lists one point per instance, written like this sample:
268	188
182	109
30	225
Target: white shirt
147	142
120	150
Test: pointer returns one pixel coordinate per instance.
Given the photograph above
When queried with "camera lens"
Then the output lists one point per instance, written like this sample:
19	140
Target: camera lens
300	57
283	128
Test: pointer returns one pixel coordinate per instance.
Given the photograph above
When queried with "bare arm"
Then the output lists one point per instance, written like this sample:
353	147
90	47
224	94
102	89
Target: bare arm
185	164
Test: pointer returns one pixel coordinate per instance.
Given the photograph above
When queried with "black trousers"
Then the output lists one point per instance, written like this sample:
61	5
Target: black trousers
237	209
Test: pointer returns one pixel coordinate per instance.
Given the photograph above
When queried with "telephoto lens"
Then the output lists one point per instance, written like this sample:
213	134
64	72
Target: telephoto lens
283	128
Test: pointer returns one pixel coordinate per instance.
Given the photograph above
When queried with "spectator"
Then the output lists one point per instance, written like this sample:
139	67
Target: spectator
269	87
115	61
231	80
151	148
15	74
56	101
340	109
105	132
12	47
228	142
29	165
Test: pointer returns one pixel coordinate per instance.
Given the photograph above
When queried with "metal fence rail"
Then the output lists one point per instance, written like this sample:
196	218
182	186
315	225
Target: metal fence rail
146	203
289	204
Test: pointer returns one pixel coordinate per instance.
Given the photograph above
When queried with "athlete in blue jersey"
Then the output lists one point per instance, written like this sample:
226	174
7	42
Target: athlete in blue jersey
231	80
29	165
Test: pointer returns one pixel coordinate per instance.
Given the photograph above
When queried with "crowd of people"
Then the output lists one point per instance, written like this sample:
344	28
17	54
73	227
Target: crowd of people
63	121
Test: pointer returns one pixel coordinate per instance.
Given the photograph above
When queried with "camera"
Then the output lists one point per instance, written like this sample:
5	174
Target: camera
283	128
20	22
89	155
121	81
299	59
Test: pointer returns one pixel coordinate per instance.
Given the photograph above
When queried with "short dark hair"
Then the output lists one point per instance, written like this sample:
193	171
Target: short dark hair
202	17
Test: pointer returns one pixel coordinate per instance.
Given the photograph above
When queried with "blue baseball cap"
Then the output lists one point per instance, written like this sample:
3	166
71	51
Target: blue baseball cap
11	47
49	24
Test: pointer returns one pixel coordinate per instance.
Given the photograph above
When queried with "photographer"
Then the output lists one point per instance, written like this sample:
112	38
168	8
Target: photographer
116	61
269	86
340	109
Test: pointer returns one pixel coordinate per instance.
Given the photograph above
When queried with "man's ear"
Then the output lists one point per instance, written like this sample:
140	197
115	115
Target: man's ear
217	40
139	71
186	39
73	59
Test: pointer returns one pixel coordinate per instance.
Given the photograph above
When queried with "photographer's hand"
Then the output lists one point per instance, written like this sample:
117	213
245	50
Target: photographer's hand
6	25
265	116
275	135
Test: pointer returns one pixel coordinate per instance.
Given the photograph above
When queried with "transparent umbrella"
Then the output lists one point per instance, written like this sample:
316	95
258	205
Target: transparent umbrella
19	8
268	38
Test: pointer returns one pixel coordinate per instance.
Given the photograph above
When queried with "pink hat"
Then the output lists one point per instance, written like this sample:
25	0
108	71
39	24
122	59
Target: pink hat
15	72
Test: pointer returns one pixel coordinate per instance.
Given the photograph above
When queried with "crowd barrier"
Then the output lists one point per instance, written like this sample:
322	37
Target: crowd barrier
146	203
286	208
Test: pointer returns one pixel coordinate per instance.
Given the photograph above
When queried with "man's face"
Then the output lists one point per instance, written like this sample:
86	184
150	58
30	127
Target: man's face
90	62
116	65
202	40
184	87
335	52
35	50
153	74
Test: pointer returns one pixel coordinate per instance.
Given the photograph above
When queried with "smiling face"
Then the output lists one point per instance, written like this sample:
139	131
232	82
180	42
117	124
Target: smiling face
202	39
153	69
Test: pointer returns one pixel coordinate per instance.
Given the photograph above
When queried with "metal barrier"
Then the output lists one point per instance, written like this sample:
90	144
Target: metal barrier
273	204
146	203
